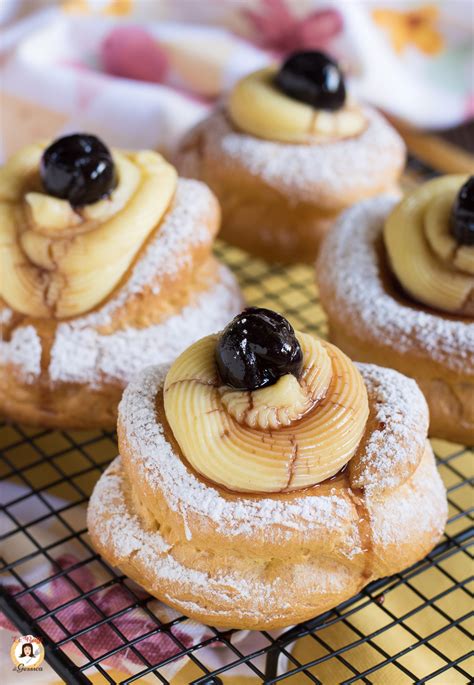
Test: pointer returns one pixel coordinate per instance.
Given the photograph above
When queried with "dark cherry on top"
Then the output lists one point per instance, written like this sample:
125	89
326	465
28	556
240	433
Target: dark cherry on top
256	348
78	168
462	217
314	78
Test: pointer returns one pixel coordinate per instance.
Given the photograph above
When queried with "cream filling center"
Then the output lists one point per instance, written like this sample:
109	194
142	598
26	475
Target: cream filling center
423	253
273	444
258	107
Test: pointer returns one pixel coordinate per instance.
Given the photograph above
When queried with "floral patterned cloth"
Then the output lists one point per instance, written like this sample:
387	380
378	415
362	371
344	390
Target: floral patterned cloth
77	573
141	73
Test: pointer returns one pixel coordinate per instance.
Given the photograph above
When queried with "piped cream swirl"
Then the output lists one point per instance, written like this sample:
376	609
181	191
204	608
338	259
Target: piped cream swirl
424	255
291	435
258	107
58	261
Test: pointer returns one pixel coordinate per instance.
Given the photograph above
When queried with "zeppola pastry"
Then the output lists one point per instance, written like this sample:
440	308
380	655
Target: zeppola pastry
106	268
397	283
264	477
286	152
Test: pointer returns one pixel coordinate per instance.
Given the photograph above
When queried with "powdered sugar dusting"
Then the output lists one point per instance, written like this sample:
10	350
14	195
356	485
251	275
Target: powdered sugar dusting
184	492
82	354
320	174
23	351
121	532
163	469
150	547
349	265
6	315
418	509
394	449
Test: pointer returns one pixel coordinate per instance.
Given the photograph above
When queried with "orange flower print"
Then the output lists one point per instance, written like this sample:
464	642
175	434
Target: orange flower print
416	27
75	6
119	7
110	7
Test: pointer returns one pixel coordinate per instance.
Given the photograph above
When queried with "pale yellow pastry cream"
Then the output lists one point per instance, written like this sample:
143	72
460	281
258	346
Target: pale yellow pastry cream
293	434
57	261
258	107
424	255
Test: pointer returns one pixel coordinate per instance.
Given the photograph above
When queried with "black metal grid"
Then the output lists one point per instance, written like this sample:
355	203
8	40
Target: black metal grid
67	464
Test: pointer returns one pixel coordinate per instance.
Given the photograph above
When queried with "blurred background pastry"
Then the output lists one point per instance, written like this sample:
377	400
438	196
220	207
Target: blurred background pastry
397	283
286	152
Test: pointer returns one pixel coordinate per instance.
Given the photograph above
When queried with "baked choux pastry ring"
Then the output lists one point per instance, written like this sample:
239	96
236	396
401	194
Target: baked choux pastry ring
105	267
397	283
286	152
263	478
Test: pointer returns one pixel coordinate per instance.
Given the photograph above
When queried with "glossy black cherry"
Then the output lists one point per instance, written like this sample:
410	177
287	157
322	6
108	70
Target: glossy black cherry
314	78
78	168
256	348
462	217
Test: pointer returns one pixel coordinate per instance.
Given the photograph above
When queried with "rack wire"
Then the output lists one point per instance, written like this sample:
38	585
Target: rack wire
418	619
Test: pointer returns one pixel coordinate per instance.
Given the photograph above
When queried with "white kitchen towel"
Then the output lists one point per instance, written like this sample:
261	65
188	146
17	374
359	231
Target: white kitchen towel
136	74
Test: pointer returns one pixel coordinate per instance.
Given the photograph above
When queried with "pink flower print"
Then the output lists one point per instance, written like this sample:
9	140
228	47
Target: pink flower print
278	30
132	52
84	613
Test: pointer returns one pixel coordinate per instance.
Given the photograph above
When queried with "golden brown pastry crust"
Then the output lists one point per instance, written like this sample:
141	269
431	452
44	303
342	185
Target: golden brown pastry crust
107	345
263	561
279	200
373	321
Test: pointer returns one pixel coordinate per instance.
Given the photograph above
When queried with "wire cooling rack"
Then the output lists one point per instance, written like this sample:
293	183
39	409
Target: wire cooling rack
410	628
